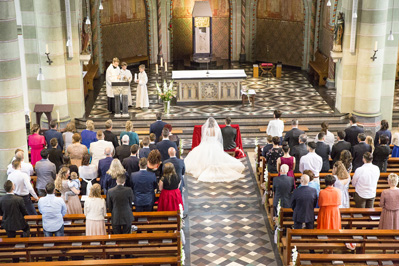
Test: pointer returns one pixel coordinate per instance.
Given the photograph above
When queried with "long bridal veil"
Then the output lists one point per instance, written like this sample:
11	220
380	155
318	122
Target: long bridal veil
211	129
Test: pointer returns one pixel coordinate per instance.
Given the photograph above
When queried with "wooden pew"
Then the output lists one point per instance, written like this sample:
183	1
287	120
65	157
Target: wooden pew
347	259
320	67
136	245
147	132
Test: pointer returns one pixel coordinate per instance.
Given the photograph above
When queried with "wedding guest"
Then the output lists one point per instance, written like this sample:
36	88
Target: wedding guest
369	140
143	152
141	92
116	169
53	133
312	182
23	187
131	164
88	172
143	184
328	136
342	182
154	163
346	159
283	186
88	135
95	211
381	154
164	145
329	216
273	155
133	137
384	131
170	197
157	128
12	210
299	150
229	135
172	137
67	163
365	181
55	155
395	142
180	168
123	151
67	135
46	173
76	150
61	184
292	136
119	204
358	150
36	143
103	167
323	150
97	148
268	145
152	144
276	126
352	132
108	135
27	168
311	161
339	146
390	205
288	160
303	202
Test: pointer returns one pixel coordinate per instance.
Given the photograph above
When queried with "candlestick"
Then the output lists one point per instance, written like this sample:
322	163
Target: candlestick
58	116
135	76
156	69
47	48
166	66
161	62
376	46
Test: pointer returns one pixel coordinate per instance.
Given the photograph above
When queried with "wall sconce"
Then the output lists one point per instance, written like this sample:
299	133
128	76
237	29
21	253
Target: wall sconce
329	3
49	61
375	51
101	6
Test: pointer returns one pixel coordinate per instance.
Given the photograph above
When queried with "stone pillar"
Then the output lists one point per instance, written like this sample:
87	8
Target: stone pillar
50	31
12	118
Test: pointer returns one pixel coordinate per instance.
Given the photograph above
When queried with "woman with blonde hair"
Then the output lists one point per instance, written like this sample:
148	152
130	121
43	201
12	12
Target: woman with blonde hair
95	211
61	184
76	150
370	141
36	143
342	182
133	137
116	169
390	205
67	135
88	135
170	197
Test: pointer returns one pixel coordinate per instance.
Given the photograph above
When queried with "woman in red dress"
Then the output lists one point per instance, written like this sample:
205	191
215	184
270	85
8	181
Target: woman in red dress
329	201
288	160
170	197
36	143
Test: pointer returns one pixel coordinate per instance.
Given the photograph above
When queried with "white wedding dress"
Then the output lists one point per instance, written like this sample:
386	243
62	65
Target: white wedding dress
208	162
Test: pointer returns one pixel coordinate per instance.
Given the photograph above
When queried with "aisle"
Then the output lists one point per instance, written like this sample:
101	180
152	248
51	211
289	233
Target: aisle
226	224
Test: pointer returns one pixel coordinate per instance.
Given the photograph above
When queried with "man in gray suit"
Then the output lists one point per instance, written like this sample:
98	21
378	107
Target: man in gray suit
283	186
46	173
229	135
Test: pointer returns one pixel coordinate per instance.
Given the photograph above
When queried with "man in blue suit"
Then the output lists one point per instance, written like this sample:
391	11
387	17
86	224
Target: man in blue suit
165	144
143	184
303	202
103	167
157	127
53	133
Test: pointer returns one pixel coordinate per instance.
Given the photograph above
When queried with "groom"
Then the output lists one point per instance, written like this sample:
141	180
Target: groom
229	135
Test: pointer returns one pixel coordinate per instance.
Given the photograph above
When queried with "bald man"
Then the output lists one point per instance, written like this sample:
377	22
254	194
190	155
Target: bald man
123	151
283	186
103	165
303	202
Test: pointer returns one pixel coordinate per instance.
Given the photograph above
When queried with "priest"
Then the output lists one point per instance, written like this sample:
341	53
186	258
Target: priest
126	75
112	75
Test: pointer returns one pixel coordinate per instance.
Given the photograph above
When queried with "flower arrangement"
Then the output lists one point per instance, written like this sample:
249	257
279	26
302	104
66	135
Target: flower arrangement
183	240
181	148
294	255
165	92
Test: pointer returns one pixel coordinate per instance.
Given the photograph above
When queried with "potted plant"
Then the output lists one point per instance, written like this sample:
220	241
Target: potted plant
166	93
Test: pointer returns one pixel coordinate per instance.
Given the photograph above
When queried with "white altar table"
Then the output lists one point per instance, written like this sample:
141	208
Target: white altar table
211	85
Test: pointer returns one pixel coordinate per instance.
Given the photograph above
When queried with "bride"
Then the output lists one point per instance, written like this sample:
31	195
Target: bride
208	162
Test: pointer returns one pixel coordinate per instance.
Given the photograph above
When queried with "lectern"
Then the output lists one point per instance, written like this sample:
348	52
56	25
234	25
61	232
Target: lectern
121	90
202	31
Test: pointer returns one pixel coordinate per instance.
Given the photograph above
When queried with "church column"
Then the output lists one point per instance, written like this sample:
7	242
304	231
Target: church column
50	31
12	118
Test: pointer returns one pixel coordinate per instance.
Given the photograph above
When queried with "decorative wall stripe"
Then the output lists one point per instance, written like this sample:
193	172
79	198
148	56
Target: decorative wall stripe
159	11
243	18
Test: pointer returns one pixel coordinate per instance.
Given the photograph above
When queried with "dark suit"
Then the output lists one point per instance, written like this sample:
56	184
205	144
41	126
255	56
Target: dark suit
143	184
337	148
152	146
180	168
52	133
351	134
282	187
303	202
109	136
357	154
119	203
292	137
298	151
131	164
266	149
229	135
103	167
144	152
156	128
163	147
323	150
111	182
56	157
13	210
380	157
122	152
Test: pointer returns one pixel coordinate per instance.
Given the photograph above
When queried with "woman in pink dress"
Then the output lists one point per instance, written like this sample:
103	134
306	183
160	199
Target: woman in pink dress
288	160
36	143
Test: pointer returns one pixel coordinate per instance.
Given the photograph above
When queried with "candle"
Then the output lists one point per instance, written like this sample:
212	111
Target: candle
135	76
156	69
30	117
47	48
376	46
58	116
161	62
166	66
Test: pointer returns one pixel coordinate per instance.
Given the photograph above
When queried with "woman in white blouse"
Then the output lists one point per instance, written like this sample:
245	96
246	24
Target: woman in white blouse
88	172
329	138
276	126
95	211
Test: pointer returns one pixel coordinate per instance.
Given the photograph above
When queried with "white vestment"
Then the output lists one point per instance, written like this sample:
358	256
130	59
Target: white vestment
111	76
126	75
142	93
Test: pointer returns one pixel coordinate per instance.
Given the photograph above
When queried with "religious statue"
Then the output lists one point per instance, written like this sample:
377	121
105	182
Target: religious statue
338	33
86	36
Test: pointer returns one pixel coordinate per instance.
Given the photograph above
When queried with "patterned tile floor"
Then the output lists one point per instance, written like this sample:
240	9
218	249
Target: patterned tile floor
292	94
226	224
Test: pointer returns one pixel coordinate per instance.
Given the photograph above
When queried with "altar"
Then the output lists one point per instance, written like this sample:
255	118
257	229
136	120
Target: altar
209	85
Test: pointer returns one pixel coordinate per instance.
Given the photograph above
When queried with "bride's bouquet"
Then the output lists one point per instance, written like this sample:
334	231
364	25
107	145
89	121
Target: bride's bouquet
166	92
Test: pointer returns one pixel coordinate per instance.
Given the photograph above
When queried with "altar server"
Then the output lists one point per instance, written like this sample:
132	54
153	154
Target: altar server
126	75
112	75
142	93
